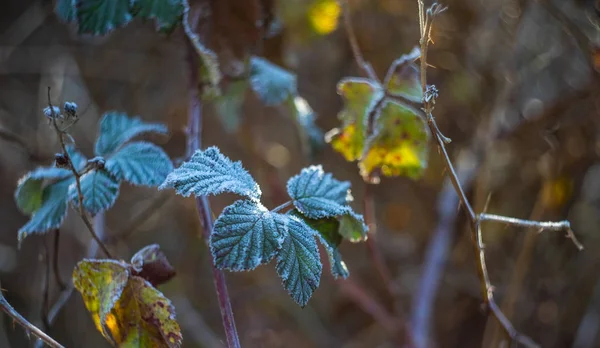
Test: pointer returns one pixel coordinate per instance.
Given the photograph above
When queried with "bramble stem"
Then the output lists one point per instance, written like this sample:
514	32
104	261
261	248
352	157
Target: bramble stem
77	175
426	18
202	204
29	328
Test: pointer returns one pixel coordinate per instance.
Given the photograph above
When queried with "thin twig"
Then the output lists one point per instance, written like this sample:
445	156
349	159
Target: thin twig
29	328
360	60
55	264
77	175
202	204
474	219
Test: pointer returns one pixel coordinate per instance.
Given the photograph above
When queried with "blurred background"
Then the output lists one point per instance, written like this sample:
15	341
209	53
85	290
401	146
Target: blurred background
519	96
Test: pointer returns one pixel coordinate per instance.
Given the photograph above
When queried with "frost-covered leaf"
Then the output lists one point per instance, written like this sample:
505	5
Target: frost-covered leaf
208	172
117	128
101	283
126	309
99	190
52	211
140	163
66	10
30	187
331	238
360	96
99	17
246	235
399	145
151	264
353	227
304	118
272	84
229	105
403	77
298	261
317	194
166	13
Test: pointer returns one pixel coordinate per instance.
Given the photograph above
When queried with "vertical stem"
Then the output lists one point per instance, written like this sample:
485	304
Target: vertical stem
55	265
376	257
202	204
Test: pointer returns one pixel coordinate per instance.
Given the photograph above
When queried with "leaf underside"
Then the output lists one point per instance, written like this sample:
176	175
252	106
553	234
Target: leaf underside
166	13
208	172
140	163
246	235
298	262
99	17
30	187
117	128
52	211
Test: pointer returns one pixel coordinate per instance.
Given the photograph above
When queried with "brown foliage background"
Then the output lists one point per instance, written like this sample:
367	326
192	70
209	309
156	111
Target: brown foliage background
518	96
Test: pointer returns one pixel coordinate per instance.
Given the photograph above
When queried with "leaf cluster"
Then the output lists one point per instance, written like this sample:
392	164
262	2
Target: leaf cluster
247	234
99	17
123	300
44	193
381	127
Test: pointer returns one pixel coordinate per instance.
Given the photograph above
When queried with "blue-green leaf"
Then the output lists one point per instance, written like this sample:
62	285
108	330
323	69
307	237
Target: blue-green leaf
78	159
246	235
51	213
298	261
117	128
140	163
208	172
30	188
98	17
272	84
330	237
99	190
167	13
304	117
353	227
317	194
66	10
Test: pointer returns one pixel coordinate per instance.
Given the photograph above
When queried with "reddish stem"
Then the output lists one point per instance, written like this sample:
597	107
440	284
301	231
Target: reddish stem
202	204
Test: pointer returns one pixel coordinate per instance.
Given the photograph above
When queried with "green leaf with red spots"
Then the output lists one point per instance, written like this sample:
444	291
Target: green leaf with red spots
386	136
127	309
398	145
360	96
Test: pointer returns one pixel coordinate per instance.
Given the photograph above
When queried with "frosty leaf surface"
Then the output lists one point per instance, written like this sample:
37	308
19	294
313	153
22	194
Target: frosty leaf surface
298	262
271	83
317	194
246	235
209	172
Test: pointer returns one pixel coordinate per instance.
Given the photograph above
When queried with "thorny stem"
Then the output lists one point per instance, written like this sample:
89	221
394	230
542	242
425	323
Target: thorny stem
29	328
202	204
77	175
476	219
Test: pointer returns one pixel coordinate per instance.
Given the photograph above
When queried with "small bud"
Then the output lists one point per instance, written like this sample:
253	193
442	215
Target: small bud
61	160
97	162
70	109
51	112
